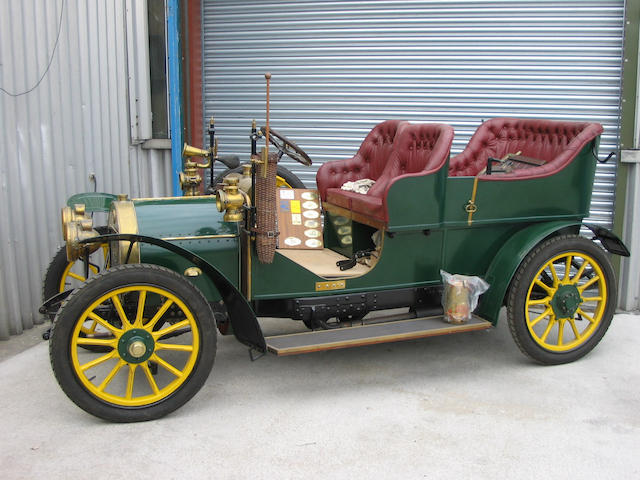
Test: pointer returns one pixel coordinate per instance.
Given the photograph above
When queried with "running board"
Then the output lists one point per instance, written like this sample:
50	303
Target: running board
346	337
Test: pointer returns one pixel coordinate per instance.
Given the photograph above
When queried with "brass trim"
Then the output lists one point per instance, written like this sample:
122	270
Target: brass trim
200	237
192	272
193	197
123	219
331	285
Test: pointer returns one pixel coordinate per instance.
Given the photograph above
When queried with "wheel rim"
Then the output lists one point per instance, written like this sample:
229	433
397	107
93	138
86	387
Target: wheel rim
135	329
566	301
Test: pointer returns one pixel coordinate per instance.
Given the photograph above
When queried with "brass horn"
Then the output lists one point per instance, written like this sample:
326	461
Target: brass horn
189	151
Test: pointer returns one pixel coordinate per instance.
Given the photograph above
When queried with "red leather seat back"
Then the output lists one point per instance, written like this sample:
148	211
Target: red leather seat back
418	149
369	162
555	142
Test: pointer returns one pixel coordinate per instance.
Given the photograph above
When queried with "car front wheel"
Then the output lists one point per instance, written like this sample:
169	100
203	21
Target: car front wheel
157	343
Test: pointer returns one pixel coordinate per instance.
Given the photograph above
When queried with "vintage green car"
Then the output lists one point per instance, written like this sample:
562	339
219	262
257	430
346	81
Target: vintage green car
138	339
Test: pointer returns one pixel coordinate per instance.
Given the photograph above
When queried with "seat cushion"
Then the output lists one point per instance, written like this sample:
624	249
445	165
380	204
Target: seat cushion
368	162
418	150
555	142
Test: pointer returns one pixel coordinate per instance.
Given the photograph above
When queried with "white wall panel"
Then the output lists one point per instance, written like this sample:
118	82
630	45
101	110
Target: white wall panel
74	123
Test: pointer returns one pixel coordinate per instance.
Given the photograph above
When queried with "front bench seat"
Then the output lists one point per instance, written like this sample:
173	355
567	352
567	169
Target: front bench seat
418	150
368	162
555	142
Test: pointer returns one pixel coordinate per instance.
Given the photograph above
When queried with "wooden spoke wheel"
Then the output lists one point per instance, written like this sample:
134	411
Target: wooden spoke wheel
158	349
562	300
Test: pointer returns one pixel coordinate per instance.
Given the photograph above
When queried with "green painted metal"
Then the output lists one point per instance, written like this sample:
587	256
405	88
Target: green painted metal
132	336
506	261
630	74
628	114
410	258
416	203
565	301
93	201
565	195
429	231
194	224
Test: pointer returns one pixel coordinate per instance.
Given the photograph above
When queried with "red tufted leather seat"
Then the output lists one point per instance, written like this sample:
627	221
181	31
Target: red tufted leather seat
555	142
418	150
367	163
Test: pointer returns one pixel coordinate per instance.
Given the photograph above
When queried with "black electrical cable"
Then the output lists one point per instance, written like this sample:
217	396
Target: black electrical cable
55	46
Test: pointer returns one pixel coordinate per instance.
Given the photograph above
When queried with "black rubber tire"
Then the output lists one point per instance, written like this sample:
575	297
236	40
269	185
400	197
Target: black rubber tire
56	268
117	277
523	278
51	282
292	180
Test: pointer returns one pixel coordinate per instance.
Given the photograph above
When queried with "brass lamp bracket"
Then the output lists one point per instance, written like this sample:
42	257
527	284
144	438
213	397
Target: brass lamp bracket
190	178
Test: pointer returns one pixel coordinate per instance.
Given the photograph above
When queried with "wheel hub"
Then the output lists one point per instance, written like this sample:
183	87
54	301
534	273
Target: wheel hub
565	301
136	345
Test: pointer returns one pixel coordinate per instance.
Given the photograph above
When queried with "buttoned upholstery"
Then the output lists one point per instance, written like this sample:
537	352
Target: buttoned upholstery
418	150
369	162
555	142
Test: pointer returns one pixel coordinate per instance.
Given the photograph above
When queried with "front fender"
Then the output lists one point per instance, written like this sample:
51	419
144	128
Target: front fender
93	201
506	262
243	319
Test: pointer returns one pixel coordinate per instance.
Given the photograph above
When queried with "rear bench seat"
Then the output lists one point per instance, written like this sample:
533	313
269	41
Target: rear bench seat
555	142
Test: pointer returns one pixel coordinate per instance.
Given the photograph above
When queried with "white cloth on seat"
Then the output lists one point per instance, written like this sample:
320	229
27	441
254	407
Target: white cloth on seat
359	186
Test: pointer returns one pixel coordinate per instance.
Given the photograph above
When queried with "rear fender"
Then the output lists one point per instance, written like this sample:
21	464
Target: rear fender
243	319
509	257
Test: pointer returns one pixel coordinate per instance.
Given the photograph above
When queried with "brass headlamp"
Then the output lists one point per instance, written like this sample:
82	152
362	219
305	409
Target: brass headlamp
76	227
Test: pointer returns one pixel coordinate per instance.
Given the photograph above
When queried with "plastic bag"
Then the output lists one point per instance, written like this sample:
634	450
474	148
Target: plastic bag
460	296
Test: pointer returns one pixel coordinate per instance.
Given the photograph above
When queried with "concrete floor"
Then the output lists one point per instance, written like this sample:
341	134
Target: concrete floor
462	406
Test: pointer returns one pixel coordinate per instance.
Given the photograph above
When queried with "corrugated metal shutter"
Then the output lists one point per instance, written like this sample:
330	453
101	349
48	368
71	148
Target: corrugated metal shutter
341	67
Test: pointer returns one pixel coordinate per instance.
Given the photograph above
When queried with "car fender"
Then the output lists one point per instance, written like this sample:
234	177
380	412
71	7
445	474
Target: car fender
508	259
243	319
93	201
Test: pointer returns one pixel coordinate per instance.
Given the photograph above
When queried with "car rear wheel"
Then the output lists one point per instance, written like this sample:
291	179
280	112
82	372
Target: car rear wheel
561	300
160	338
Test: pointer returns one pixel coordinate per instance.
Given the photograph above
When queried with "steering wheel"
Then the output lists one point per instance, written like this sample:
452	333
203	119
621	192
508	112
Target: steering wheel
287	147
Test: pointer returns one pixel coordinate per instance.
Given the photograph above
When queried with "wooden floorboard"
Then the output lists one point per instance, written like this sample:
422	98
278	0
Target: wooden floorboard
323	263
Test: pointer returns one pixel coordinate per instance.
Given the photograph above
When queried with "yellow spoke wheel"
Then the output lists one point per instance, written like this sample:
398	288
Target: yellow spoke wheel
158	348
561	300
63	275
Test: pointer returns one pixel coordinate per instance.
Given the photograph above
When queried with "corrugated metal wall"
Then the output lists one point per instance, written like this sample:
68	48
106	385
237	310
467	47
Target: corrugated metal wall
341	67
74	123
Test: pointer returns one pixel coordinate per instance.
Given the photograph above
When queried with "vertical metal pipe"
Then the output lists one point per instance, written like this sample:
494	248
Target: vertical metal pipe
175	92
